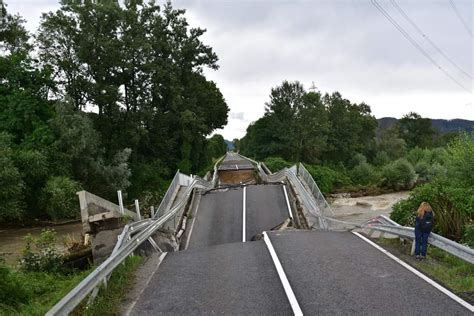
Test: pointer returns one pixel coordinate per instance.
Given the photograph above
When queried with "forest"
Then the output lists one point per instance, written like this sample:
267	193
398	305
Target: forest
120	104
342	148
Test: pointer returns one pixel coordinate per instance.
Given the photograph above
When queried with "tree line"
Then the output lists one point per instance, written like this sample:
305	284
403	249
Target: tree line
342	148
104	96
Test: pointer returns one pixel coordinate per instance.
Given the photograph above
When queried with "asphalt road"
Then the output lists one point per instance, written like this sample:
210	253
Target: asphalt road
331	273
233	161
266	208
338	273
227	279
219	217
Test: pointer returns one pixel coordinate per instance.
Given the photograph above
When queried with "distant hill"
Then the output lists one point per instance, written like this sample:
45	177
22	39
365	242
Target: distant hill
443	126
230	144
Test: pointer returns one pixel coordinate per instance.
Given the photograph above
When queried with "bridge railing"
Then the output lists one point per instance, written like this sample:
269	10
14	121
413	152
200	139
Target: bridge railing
131	238
304	174
167	198
315	203
304	196
384	224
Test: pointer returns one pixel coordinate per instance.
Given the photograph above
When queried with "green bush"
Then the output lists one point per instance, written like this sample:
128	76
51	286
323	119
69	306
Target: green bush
381	158
423	170
276	163
468	235
328	179
40	254
399	175
12	294
453	207
364	174
58	198
404	212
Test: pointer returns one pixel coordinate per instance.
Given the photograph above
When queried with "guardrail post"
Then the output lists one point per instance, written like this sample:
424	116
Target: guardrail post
137	208
152	209
120	200
412	251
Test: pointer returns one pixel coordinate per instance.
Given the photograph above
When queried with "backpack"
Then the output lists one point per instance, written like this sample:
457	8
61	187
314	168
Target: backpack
427	222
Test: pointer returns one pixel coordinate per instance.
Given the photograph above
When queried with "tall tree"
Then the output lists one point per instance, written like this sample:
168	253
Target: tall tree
141	66
416	130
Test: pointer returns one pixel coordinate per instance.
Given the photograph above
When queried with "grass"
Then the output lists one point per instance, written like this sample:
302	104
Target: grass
108	302
43	290
454	273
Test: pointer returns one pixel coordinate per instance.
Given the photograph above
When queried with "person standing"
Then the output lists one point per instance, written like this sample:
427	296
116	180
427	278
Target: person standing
423	227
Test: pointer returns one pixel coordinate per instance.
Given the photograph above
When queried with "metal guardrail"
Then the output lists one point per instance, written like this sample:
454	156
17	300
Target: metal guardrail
214	175
305	196
386	225
124	247
308	179
166	200
380	223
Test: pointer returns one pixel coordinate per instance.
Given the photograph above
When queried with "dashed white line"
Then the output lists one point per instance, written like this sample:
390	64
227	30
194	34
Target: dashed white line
287	202
295	306
244	211
418	273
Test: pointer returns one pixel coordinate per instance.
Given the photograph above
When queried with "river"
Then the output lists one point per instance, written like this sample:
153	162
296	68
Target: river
12	239
361	209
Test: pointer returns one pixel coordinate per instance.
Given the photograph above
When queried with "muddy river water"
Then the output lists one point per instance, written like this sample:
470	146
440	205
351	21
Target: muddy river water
12	239
361	209
356	210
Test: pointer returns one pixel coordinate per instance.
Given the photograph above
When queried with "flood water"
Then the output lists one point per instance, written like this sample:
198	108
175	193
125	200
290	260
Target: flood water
12	239
361	209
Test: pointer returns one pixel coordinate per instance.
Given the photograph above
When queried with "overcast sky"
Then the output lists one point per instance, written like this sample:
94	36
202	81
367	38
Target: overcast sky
341	45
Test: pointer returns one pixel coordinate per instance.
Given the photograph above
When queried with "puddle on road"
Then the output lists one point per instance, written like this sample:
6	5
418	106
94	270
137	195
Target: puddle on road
12	239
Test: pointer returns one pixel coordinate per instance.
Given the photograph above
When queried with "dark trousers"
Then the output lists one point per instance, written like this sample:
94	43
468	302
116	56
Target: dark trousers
421	242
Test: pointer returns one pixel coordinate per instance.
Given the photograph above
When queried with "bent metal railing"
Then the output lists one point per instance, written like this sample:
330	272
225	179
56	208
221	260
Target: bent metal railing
125	246
315	203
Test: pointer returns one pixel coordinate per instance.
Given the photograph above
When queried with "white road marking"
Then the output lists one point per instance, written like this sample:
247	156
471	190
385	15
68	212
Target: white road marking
284	280
418	273
287	202
192	224
243	213
160	260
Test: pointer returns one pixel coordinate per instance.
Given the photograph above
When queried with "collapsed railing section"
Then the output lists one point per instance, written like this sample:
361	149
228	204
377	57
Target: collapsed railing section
310	204
167	198
315	203
323	205
131	238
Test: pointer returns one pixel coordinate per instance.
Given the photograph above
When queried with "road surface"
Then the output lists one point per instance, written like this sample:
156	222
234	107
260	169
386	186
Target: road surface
220	214
329	272
234	161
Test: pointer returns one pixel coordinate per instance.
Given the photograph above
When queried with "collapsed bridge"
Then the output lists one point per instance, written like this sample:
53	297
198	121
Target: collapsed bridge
246	241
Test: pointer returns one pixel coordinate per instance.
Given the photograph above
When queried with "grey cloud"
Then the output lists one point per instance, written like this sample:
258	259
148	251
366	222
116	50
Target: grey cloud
344	45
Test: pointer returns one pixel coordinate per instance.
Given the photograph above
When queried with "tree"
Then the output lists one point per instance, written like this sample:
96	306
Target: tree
11	185
141	66
216	146
391	143
416	131
352	129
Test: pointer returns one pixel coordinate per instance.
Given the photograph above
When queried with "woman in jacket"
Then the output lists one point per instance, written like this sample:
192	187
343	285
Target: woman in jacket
423	227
